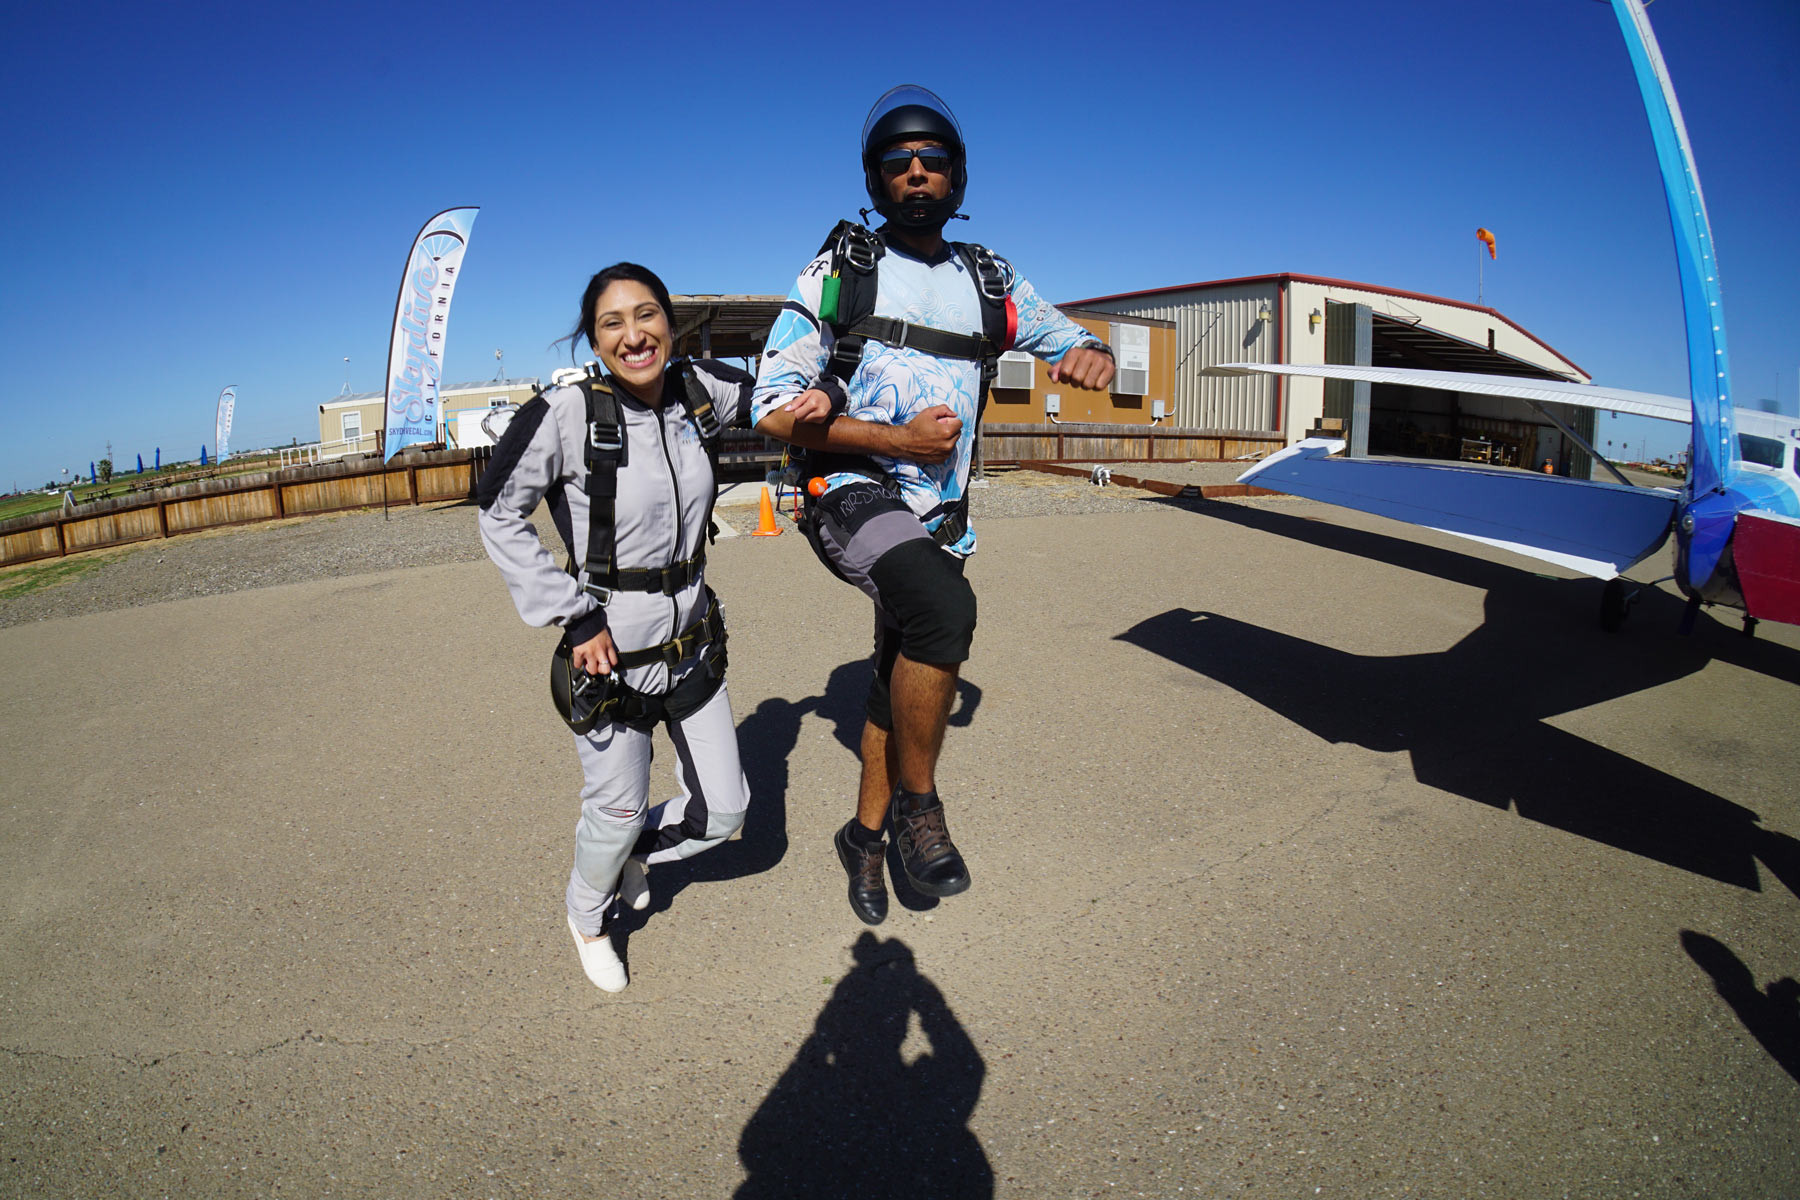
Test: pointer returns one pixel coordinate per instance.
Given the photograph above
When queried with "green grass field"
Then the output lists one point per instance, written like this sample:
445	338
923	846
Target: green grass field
33	502
32	577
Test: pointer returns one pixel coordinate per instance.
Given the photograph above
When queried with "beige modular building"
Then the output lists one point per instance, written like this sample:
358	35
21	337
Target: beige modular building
465	404
1143	388
352	424
349	424
1288	318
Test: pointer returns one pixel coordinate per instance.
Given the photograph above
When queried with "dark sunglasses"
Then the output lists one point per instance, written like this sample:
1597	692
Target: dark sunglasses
898	161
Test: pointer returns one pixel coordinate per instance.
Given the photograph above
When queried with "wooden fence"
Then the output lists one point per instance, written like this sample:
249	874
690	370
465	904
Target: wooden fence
1070	442
438	475
362	482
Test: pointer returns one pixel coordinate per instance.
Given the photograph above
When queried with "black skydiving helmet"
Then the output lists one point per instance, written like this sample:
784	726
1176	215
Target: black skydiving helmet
906	113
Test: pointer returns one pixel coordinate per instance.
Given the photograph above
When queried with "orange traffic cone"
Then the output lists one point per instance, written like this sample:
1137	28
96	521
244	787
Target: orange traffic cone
765	524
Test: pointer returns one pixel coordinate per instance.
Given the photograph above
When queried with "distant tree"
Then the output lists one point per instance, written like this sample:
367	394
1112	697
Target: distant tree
106	470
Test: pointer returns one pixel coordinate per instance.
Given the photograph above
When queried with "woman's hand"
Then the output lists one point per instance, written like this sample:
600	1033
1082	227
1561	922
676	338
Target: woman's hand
811	406
597	655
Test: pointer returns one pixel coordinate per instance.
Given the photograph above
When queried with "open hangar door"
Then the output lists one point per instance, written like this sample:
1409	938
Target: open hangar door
1411	422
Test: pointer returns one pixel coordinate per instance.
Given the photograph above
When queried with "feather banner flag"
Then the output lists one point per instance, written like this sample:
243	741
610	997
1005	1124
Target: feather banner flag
222	424
1483	235
421	317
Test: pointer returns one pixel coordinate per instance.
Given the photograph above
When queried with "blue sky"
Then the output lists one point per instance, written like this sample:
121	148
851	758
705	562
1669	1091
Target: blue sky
203	195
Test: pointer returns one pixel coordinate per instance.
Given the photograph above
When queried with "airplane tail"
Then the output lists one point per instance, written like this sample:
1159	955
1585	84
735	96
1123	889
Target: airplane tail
1713	461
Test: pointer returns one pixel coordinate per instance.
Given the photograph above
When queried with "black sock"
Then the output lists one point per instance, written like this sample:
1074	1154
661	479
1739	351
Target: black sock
911	802
863	837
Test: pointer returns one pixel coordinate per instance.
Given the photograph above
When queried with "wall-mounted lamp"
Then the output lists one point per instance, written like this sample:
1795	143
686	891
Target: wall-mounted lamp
1263	314
1313	319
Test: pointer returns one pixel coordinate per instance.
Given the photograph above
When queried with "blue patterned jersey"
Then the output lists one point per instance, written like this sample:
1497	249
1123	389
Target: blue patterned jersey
892	386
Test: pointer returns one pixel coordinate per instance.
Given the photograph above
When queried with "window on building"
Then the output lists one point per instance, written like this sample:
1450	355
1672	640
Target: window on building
352	425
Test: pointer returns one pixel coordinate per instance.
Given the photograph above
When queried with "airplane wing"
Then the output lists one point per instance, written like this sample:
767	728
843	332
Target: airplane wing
1559	391
1598	529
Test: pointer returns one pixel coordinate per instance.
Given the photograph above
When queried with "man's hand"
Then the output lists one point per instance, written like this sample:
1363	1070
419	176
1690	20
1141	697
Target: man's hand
930	437
811	406
597	655
1084	367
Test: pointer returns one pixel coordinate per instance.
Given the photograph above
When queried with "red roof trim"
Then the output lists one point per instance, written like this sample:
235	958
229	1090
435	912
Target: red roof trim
1325	281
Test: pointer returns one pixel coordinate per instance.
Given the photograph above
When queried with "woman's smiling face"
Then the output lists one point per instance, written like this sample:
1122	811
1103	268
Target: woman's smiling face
632	336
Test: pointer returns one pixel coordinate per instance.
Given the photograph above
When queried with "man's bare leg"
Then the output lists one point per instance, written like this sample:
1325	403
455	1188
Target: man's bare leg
921	693
879	750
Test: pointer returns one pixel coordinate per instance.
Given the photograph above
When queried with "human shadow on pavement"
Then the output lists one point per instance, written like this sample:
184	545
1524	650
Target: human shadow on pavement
766	741
846	695
1473	720
1772	1015
851	1116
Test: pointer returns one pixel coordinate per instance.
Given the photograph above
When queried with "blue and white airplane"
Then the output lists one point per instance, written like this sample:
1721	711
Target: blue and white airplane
1736	522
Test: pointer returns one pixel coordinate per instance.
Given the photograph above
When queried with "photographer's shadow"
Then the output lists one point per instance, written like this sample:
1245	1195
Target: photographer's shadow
852	1117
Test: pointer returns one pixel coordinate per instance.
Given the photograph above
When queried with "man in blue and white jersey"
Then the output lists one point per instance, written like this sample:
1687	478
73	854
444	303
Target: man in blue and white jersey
877	367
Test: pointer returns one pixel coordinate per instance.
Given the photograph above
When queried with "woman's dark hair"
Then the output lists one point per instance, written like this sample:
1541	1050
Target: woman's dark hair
584	323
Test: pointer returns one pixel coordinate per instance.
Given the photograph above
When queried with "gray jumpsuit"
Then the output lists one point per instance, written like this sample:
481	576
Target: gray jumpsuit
665	495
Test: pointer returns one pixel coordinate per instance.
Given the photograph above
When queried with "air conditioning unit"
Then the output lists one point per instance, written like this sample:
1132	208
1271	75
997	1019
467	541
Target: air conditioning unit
1015	370
1131	381
1131	351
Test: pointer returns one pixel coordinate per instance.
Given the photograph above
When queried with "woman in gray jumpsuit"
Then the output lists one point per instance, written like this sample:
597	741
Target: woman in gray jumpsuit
659	600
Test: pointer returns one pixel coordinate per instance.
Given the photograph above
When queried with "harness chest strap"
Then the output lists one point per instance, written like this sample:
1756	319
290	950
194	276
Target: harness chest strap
605	454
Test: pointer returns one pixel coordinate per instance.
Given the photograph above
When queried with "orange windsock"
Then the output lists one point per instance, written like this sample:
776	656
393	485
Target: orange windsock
1482	235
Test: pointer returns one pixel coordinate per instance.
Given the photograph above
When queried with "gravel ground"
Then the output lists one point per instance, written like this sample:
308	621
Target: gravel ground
282	552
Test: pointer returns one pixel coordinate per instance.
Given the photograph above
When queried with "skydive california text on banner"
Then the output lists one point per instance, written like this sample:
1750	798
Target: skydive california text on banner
222	423
421	316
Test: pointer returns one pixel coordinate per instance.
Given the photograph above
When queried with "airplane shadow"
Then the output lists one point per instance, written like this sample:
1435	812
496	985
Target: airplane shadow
1576	602
1771	1016
852	1117
1472	720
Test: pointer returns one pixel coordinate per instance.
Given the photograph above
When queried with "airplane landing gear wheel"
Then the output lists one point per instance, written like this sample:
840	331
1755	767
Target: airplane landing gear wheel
1613	605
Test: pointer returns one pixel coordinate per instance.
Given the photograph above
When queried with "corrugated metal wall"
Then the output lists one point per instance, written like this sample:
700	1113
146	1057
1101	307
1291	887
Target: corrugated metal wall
1214	326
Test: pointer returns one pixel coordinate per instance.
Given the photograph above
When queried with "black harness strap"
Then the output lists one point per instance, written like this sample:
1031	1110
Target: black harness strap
605	454
582	700
847	304
710	625
935	342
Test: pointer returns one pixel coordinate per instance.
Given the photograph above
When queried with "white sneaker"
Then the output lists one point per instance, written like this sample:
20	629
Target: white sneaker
634	884
600	961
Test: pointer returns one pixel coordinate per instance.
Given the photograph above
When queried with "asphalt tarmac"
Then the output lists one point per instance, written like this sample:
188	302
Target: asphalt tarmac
1312	857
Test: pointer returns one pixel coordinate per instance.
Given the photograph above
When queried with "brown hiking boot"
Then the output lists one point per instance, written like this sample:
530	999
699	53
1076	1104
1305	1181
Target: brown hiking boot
868	886
926	851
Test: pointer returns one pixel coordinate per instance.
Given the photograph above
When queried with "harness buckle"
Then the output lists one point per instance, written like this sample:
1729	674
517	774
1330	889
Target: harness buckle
901	343
674	578
608	443
990	277
859	252
671	654
600	592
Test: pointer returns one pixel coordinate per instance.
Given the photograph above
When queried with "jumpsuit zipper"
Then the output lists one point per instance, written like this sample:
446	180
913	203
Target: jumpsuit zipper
662	430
